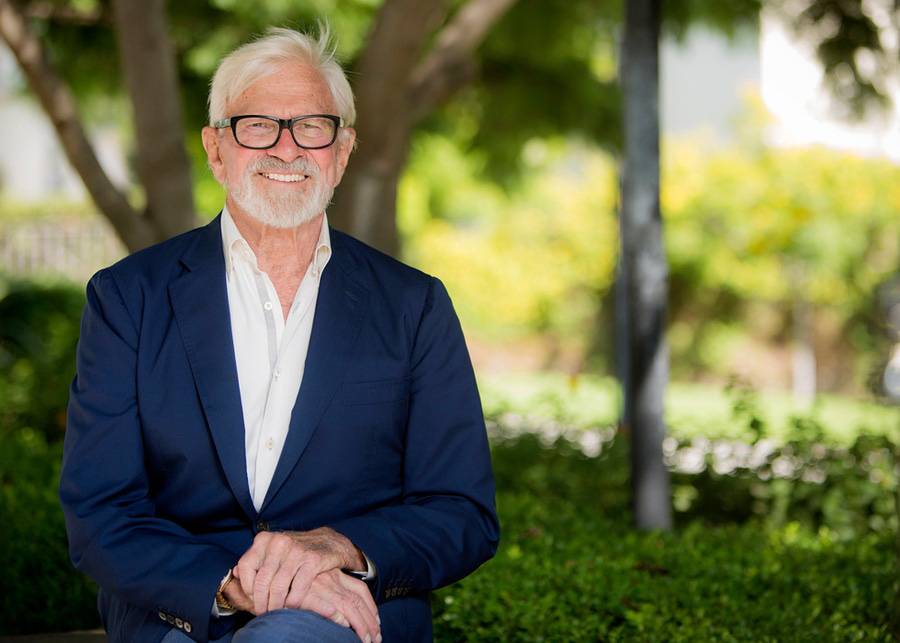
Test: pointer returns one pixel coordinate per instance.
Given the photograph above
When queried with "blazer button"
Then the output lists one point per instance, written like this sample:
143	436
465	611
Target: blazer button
262	525
179	623
187	627
162	615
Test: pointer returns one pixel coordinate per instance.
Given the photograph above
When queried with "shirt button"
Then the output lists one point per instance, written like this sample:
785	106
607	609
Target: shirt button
268	305
277	373
269	444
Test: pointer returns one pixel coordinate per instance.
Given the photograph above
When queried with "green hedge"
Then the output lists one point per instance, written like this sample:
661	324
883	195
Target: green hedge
570	569
760	552
42	591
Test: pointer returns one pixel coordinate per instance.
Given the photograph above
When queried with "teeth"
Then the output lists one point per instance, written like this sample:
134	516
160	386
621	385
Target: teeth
285	178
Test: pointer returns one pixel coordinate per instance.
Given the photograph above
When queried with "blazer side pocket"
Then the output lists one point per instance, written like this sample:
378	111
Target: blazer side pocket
373	392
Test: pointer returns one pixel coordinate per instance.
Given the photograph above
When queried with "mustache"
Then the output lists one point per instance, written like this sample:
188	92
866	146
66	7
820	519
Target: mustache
297	166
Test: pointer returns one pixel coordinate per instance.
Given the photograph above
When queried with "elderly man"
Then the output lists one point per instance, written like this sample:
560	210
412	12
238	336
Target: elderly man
274	432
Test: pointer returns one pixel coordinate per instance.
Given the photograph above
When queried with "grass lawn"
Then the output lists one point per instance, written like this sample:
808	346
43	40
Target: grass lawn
691	409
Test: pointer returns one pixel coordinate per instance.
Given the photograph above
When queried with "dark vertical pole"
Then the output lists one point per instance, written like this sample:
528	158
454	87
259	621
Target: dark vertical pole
621	336
645	265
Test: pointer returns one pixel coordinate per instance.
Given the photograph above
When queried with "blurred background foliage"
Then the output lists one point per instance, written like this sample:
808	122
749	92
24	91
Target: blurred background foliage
749	230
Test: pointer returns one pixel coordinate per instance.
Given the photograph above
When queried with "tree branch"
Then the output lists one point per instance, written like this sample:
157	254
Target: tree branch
394	46
393	49
450	66
42	10
59	105
148	63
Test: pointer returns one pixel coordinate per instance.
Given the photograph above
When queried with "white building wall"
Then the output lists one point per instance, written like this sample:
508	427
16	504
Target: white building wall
704	80
33	165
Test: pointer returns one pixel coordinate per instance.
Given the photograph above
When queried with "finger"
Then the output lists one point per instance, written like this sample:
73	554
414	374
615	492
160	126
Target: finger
245	572
283	579
237	597
251	561
353	606
300	586
340	619
328	598
362	622
317	600
361	591
277	547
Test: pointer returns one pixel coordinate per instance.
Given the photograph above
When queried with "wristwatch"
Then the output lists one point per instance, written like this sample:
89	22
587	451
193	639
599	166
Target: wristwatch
222	603
363	575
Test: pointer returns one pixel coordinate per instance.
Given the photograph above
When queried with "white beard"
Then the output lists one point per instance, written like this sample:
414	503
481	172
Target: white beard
287	208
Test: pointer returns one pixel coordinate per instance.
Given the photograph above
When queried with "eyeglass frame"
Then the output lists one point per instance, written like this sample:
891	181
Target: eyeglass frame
283	124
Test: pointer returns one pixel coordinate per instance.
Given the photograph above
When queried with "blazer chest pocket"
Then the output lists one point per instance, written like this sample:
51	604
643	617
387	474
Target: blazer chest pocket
374	392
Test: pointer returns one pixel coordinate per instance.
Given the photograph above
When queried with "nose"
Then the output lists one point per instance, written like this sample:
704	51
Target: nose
285	149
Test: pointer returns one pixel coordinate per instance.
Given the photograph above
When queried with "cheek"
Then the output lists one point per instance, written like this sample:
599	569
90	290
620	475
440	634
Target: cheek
233	172
330	171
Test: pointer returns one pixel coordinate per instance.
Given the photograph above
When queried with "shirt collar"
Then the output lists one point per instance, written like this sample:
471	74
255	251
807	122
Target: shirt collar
235	247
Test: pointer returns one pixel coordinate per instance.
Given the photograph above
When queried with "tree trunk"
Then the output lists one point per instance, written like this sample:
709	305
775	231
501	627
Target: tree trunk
365	203
645	265
148	63
59	105
397	87
621	337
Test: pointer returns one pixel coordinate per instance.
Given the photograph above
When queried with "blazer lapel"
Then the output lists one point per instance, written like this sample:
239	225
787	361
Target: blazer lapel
200	302
340	310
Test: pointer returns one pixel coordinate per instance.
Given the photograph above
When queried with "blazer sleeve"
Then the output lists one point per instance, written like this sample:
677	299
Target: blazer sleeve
445	525
115	534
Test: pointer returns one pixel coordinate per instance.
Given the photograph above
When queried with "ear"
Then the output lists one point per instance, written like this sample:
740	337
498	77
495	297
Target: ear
345	143
210	137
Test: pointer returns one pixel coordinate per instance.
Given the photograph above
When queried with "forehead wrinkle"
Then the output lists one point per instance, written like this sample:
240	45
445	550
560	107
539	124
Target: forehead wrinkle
285	93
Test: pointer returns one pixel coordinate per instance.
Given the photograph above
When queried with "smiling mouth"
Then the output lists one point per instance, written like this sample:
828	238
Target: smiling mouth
284	178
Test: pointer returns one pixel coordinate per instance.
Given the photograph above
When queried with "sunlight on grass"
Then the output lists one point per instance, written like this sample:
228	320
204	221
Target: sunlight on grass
692	409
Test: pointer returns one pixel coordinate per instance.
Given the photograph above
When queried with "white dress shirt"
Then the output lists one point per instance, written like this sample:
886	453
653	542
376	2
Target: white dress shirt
270	350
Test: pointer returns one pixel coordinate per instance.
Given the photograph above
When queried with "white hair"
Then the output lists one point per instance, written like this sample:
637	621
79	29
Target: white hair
269	54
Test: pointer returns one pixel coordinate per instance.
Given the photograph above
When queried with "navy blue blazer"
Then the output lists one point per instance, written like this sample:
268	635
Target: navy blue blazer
386	443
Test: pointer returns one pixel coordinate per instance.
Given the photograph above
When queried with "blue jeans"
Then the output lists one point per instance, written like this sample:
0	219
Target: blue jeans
280	626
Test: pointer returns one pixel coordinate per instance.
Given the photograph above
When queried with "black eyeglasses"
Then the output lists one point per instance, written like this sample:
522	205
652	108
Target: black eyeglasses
257	132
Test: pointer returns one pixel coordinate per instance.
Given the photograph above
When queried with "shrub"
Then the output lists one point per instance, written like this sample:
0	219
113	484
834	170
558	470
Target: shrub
39	327
570	568
42	591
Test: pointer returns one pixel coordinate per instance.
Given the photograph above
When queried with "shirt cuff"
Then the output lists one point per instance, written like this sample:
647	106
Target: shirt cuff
370	567
216	610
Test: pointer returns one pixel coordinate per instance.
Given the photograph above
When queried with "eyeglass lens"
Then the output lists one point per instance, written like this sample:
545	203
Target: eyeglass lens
263	132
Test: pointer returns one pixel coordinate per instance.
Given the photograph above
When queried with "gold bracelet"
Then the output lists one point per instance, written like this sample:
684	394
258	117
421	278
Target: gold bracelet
222	602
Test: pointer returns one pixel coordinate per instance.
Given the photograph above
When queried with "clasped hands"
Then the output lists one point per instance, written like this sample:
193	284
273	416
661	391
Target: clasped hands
302	570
